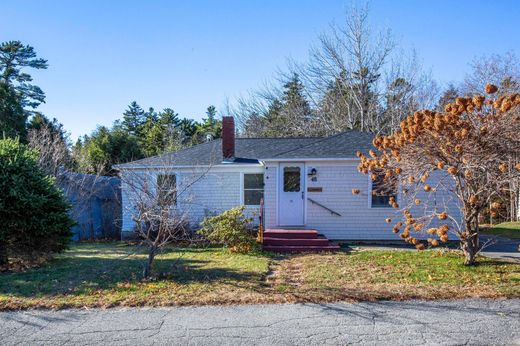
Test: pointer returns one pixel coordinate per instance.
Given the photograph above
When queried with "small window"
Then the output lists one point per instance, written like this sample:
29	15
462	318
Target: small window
253	188
291	179
167	186
381	193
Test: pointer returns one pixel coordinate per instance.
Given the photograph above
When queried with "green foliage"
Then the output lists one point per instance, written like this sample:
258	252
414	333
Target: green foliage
14	56
12	116
141	134
210	128
33	211
286	116
229	229
133	118
97	153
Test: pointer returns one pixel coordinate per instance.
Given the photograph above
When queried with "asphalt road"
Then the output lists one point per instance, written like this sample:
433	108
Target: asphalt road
473	322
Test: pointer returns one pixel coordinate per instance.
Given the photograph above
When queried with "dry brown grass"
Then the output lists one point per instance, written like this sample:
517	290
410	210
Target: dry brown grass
106	275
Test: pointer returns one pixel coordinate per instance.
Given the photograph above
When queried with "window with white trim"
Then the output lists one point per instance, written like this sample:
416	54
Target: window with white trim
382	193
253	188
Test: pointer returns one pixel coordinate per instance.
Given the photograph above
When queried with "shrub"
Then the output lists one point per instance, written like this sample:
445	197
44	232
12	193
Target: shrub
229	229
33	213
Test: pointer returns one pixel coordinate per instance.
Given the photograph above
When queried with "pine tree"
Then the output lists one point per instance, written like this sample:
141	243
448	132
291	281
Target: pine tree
133	118
448	96
291	115
14	56
12	115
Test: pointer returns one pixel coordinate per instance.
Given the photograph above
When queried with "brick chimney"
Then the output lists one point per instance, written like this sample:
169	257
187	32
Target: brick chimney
228	137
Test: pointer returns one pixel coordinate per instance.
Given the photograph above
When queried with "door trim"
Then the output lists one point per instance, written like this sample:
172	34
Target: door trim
279	182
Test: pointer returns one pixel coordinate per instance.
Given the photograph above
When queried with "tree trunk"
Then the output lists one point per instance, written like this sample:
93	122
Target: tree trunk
4	259
469	242
147	271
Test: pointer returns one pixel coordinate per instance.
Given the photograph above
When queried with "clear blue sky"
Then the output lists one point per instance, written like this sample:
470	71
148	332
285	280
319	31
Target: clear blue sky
189	54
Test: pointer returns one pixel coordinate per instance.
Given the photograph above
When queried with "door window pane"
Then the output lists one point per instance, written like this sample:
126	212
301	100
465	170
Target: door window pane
291	179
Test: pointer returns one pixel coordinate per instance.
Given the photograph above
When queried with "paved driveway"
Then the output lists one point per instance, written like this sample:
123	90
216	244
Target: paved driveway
478	322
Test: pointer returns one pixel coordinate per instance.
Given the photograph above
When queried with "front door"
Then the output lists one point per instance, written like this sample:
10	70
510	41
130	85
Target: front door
292	194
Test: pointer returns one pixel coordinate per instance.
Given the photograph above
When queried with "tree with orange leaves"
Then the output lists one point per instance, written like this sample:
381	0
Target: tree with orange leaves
472	150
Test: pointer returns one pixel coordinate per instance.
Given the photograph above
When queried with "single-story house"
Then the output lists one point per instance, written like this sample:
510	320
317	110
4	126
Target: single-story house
305	183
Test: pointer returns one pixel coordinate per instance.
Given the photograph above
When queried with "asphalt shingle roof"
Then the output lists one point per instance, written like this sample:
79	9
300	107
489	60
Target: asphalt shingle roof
343	145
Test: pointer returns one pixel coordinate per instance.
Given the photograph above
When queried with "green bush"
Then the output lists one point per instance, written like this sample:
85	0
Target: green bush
229	229
33	213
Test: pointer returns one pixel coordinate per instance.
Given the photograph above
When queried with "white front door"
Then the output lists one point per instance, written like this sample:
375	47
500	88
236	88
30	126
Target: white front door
291	194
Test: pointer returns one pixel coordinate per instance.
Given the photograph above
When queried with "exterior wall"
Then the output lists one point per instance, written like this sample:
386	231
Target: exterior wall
270	194
221	188
358	219
202	192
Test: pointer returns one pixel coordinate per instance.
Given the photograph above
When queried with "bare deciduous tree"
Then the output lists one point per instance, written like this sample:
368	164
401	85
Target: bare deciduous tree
501	70
355	79
471	150
154	196
52	149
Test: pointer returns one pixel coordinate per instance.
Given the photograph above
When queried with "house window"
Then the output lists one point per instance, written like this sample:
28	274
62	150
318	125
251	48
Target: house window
167	189
381	193
291	179
253	188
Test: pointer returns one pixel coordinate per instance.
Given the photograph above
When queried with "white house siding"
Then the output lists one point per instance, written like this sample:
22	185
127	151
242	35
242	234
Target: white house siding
202	192
337	179
358	220
270	194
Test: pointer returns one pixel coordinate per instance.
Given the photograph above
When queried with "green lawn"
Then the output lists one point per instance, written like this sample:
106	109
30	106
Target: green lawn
401	274
100	274
505	229
109	274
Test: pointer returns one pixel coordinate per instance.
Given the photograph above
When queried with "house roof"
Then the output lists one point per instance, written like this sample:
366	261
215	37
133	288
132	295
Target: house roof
342	145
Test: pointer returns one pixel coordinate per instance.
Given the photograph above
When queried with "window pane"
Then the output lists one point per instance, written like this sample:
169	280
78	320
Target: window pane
291	179
253	181
380	201
252	197
381	194
166	184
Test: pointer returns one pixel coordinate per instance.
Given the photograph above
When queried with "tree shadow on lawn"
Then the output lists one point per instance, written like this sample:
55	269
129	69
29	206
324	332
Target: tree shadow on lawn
76	275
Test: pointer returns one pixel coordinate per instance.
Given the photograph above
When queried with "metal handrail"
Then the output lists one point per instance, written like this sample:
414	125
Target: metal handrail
324	207
260	236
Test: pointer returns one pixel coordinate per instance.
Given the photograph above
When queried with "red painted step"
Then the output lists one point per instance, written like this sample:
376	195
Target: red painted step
273	248
304	240
320	241
291	234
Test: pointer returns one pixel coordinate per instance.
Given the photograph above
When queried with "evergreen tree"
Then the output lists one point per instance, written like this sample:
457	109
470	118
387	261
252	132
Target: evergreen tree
12	116
133	118
33	211
159	133
210	128
97	153
14	56
290	115
448	96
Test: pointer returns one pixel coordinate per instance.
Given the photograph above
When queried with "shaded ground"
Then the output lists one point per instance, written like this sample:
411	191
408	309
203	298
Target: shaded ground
509	230
473	322
108	275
